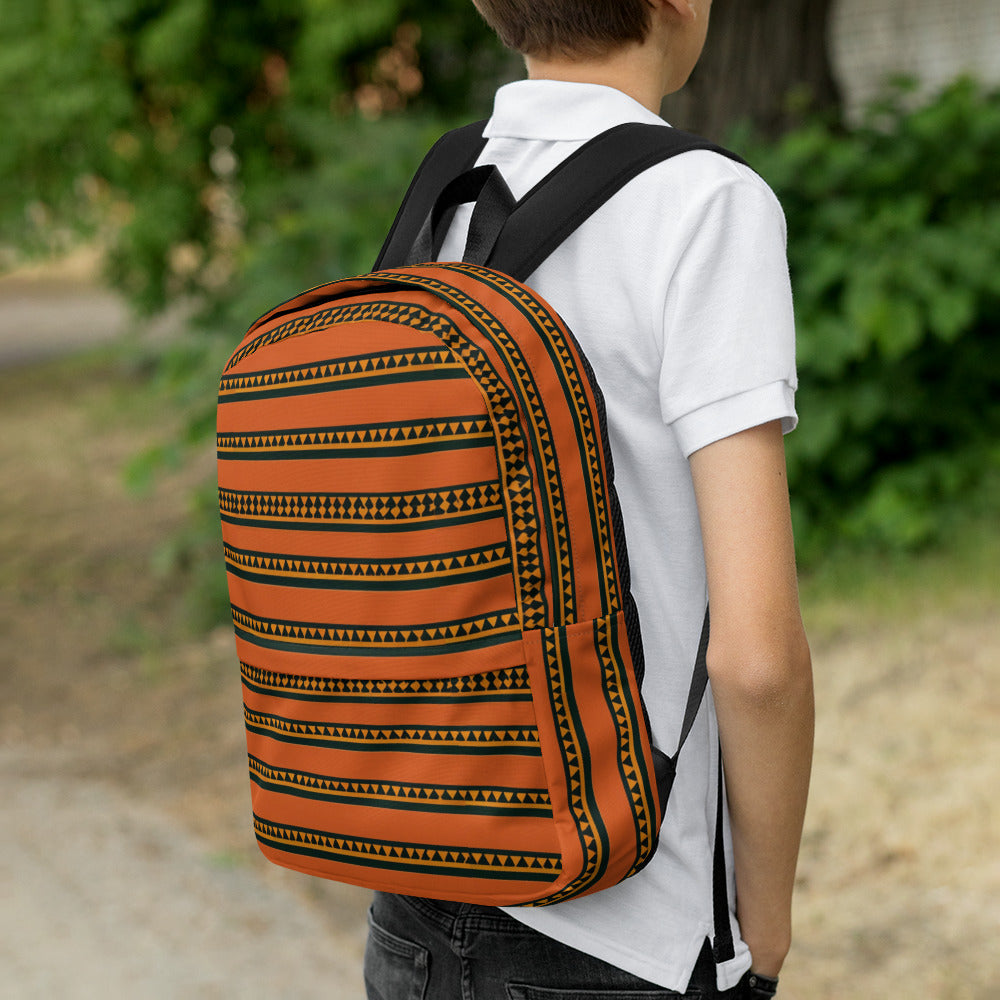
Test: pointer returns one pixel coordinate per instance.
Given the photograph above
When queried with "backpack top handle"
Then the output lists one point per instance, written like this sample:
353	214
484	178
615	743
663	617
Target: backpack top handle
494	203
454	153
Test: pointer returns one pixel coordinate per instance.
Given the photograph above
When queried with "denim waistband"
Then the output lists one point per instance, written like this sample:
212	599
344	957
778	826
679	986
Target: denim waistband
455	919
446	915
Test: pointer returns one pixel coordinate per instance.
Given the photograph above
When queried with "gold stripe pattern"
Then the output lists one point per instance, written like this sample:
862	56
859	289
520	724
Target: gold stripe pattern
372	437
390	854
491	560
327	374
363	637
390	312
345	508
608	571
511	682
454	798
506	739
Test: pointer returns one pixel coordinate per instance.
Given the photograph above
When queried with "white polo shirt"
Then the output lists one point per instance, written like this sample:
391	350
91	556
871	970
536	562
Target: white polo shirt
678	291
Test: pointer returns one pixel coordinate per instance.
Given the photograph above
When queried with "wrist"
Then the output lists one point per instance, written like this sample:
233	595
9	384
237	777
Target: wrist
769	947
761	987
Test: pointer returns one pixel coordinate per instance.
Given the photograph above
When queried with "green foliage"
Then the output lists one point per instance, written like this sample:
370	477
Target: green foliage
894	238
170	127
232	154
227	155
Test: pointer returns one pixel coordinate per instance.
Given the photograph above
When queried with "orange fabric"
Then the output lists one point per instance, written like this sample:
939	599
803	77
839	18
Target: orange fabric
438	685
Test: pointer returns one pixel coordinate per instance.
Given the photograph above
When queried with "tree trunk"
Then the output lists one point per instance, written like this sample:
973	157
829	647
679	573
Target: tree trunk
766	62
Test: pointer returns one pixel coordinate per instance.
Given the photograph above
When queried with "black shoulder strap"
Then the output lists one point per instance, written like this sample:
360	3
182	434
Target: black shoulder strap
699	682
580	185
554	208
453	154
666	766
723	945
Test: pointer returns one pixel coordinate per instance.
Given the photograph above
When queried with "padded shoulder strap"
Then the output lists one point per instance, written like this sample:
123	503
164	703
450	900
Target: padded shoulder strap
580	185
555	207
454	153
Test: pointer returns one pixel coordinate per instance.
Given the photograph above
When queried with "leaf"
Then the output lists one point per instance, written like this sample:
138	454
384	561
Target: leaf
898	327
892	517
951	311
168	43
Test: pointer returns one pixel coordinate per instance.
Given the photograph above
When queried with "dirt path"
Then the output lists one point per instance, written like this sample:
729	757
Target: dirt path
108	897
127	865
127	868
47	312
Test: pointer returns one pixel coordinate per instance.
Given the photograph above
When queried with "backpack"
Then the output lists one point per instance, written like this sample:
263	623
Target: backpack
440	655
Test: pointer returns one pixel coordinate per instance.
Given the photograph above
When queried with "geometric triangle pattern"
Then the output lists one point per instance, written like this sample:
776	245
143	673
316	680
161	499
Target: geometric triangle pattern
460	861
456	505
591	431
410	739
420	797
510	684
342	373
578	778
546	462
357	441
525	529
628	723
405	314
386	574
488	629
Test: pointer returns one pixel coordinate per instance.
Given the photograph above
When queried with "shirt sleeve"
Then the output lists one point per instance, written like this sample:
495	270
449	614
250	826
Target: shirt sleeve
728	359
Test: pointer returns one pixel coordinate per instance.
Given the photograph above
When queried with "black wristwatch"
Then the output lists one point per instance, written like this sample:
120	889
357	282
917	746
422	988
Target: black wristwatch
761	987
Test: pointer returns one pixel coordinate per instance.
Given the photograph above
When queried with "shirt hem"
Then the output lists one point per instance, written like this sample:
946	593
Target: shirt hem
674	975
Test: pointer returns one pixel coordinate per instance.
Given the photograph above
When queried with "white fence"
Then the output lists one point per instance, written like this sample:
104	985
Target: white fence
931	40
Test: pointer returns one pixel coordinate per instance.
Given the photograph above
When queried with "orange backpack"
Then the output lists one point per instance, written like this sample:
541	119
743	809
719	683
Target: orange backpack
441	659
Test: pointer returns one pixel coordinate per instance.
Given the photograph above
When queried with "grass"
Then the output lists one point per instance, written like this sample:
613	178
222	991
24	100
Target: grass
864	590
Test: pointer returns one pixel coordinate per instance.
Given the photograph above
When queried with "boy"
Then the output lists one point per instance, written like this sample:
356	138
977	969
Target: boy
677	290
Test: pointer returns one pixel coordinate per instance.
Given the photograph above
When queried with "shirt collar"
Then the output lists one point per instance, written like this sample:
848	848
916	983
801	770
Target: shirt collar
556	110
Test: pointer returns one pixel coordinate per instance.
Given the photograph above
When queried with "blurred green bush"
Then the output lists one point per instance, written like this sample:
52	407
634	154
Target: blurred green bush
225	155
186	133
894	247
233	154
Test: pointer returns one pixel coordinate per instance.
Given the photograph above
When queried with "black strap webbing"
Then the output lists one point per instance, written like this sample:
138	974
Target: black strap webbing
666	767
486	187
699	681
723	946
454	153
579	186
553	209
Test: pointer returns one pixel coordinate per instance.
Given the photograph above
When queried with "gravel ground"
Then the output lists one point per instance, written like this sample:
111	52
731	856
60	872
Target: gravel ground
109	898
48	310
124	871
127	866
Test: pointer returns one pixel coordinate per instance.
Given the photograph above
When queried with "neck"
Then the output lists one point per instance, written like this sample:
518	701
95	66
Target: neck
636	70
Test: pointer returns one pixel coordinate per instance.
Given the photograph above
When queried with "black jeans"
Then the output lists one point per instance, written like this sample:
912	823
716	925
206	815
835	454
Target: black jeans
422	949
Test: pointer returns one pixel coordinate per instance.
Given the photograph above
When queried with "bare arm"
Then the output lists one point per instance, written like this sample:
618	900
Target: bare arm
759	665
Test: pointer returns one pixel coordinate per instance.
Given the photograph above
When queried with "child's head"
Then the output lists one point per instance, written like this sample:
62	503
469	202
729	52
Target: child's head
575	28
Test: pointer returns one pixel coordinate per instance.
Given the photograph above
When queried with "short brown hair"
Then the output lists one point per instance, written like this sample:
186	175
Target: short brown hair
566	27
